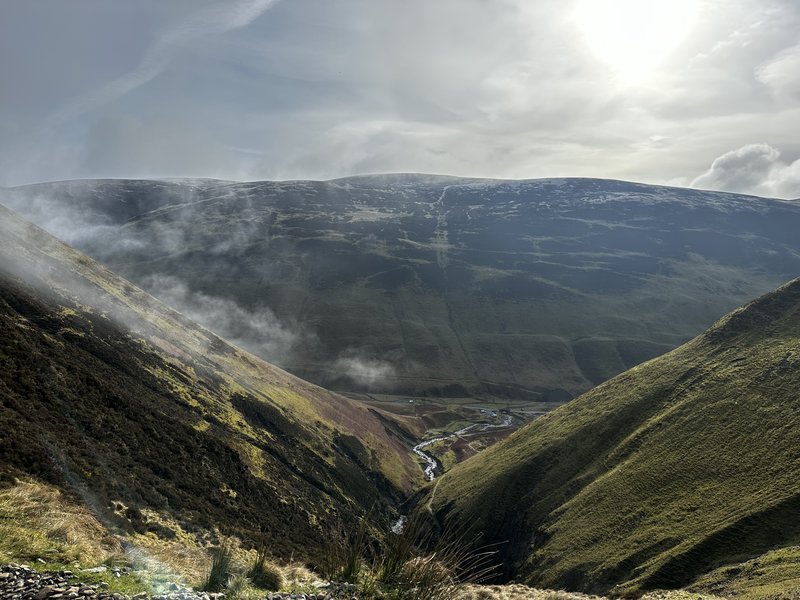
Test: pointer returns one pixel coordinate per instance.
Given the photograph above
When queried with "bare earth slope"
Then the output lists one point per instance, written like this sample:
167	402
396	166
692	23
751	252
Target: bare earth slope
435	285
677	467
117	398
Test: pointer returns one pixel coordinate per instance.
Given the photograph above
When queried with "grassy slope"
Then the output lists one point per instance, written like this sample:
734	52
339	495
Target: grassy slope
678	466
112	395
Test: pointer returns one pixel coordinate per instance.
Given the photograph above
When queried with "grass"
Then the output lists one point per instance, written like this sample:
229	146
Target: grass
416	563
264	573
220	571
38	522
773	574
671	470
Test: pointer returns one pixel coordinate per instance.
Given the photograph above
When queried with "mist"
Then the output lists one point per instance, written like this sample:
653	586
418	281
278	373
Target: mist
258	331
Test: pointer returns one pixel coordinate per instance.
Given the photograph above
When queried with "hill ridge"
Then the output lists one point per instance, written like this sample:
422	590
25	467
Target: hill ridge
549	286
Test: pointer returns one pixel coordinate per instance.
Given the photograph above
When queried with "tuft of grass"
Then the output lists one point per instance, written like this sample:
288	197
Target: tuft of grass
238	587
343	559
264	573
423	562
220	570
419	562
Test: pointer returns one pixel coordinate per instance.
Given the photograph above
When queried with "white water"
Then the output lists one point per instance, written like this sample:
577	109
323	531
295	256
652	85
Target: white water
398	526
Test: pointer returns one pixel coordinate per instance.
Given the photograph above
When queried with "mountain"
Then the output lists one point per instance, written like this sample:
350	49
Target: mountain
682	471
430	285
121	401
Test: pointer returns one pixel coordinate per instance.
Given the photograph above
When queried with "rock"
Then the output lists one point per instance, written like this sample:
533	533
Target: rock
100	569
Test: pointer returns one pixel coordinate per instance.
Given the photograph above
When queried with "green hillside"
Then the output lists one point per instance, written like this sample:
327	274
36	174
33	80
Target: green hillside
429	285
122	402
674	469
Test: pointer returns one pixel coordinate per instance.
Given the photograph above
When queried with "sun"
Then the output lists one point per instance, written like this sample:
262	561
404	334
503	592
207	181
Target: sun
635	36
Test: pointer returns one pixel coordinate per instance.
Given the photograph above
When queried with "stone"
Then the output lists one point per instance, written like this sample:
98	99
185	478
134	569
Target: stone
43	593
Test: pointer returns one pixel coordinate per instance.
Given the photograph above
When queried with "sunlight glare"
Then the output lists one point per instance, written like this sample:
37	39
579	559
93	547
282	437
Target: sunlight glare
634	36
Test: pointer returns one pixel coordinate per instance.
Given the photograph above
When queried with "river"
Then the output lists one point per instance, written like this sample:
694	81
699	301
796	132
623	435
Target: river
432	463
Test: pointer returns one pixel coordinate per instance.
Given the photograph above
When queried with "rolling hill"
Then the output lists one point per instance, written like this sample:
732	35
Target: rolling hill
429	285
683	471
123	402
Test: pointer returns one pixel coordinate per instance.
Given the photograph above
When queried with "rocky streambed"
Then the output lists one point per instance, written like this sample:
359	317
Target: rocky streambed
20	582
431	464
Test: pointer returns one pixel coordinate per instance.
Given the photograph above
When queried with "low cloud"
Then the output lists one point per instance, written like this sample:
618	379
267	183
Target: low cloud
753	169
258	330
366	372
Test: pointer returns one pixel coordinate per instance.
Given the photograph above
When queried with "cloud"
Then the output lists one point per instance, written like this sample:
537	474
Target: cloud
503	88
753	169
256	330
781	73
364	371
215	19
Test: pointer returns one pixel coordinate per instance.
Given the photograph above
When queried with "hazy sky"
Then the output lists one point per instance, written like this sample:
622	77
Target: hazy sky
703	92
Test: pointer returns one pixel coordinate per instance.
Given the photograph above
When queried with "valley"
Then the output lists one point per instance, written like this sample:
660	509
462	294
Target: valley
464	406
391	300
454	429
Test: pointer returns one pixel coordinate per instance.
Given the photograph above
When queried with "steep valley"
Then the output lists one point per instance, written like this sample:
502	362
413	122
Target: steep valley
456	319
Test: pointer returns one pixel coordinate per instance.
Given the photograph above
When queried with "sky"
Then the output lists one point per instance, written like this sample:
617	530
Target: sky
702	93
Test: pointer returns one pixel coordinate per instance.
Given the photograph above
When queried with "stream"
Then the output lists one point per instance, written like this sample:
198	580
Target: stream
431	462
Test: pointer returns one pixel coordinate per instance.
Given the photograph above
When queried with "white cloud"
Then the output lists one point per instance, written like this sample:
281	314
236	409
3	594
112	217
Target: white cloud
781	73
368	372
256	330
753	169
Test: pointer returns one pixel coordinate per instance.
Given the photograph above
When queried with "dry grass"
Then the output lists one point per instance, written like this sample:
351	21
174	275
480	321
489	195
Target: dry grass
516	592
37	521
174	558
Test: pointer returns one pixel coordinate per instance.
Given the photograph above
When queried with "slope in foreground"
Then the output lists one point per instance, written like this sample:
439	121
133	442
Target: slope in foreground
113	396
677	467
